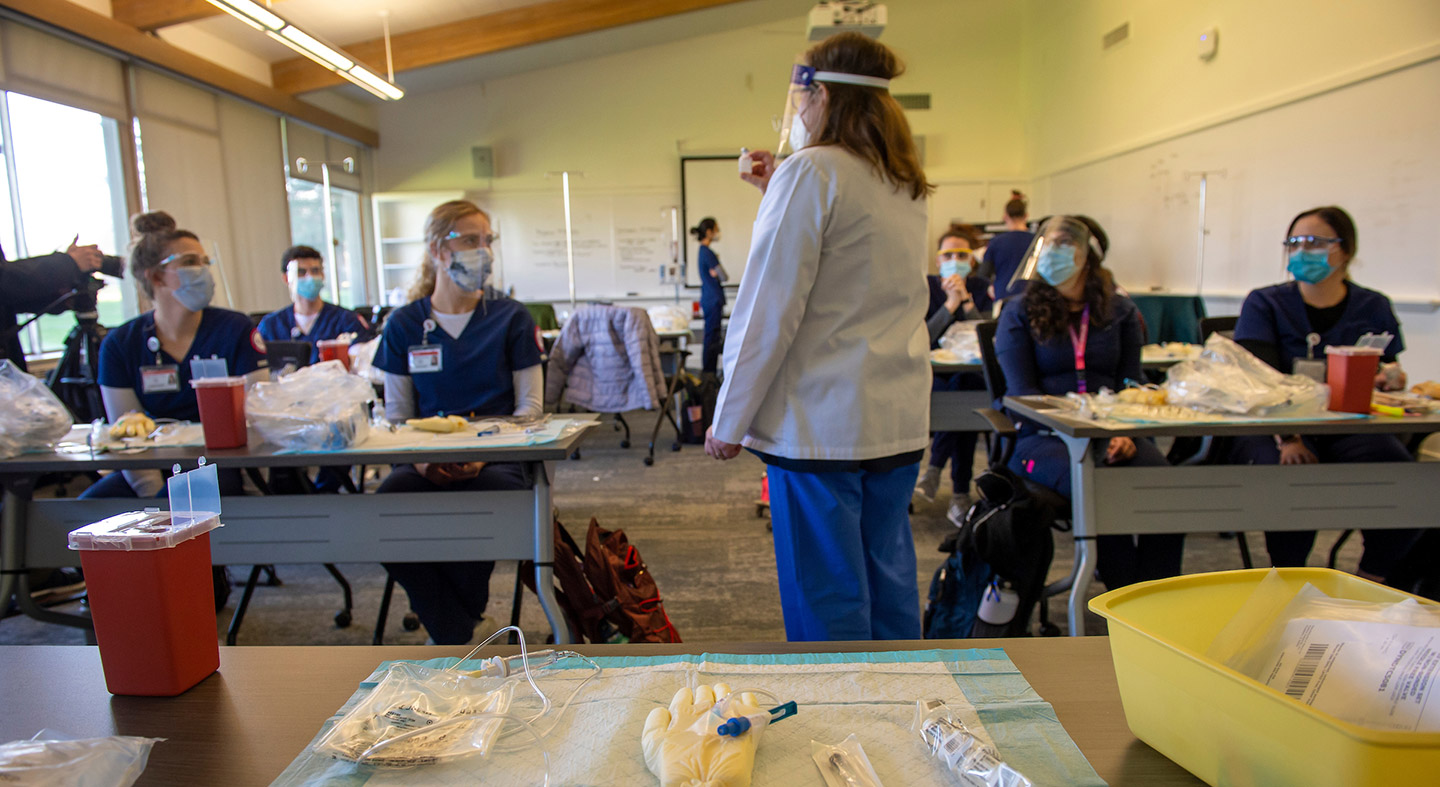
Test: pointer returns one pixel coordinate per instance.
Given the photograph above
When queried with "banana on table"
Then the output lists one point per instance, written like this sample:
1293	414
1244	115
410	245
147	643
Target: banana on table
441	424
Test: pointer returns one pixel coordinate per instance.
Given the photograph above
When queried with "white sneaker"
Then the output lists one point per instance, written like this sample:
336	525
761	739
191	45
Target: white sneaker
959	505
928	484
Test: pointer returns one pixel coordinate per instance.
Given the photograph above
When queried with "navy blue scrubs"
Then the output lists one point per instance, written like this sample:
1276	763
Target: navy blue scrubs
222	333
958	448
281	326
474	379
1276	319
712	305
1033	366
1005	252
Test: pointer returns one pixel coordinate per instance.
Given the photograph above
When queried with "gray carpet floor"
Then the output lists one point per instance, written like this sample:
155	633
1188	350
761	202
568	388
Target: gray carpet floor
694	521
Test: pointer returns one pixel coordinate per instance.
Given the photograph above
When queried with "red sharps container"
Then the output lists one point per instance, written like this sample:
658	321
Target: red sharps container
151	591
1351	371
222	411
335	350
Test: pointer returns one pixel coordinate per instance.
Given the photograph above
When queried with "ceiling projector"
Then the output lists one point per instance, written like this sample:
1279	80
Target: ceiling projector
829	18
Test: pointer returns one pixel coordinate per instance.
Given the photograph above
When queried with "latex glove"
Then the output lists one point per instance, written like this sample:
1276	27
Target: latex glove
682	748
132	424
442	424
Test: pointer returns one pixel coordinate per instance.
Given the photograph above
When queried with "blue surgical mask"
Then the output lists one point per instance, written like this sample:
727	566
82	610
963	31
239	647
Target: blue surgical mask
949	268
1311	266
470	269
1056	265
197	287
309	287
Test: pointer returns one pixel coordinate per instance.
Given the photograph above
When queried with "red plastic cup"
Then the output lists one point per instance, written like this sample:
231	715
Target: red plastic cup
335	350
1350	372
222	411
695	308
152	601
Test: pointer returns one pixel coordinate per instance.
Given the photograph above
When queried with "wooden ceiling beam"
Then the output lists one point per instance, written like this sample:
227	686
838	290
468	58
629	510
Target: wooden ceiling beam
155	14
481	35
149	48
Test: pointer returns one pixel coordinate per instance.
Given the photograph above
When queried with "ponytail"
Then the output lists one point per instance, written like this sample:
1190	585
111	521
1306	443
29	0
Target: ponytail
703	228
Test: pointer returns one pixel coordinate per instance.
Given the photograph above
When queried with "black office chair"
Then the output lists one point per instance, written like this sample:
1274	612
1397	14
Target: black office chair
1002	446
1225	326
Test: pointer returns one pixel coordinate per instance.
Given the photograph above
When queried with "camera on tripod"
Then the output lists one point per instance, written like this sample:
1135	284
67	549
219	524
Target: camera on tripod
84	302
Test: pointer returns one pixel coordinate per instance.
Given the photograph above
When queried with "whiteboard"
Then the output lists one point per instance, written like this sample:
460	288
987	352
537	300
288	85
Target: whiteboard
622	244
1369	147
712	187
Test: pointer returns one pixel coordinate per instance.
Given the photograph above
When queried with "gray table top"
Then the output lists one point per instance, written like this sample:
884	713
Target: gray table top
1050	415
262	454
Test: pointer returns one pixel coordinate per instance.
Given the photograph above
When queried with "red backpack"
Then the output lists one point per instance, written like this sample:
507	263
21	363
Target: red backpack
606	594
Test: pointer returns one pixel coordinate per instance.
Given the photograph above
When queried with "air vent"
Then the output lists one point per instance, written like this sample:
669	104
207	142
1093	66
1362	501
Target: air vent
913	100
1117	35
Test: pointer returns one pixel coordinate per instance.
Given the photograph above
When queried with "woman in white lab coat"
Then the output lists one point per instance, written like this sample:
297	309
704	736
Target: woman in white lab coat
826	362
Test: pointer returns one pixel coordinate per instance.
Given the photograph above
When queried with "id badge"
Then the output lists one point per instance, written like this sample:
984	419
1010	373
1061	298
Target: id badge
1309	367
425	358
164	378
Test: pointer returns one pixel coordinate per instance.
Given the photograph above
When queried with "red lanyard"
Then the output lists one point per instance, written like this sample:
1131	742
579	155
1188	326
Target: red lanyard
1078	340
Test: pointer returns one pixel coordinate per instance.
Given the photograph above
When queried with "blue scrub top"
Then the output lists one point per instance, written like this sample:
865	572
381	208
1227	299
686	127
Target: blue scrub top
711	290
1276	315
1031	366
1005	252
280	326
222	333
475	375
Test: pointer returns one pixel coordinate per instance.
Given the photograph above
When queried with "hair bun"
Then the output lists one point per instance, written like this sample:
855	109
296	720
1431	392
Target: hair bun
1015	194
152	222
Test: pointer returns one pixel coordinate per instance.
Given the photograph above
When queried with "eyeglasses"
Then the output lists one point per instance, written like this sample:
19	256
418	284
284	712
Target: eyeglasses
961	255
471	241
1309	242
186	261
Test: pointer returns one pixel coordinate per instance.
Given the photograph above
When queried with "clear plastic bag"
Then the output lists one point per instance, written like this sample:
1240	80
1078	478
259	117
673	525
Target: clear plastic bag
961	754
417	715
318	408
844	764
55	759
960	339
1226	378
669	318
31	417
362	361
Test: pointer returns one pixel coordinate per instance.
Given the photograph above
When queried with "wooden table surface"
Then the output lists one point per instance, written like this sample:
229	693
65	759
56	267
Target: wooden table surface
245	724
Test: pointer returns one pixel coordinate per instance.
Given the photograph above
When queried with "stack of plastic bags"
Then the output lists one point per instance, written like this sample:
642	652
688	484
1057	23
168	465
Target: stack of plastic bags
318	408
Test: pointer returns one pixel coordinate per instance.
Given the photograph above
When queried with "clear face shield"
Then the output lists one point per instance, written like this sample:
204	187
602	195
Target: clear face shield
793	133
1058	252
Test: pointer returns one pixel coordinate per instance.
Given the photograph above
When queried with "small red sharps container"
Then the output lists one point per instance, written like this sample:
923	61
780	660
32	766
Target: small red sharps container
222	411
151	590
1351	371
335	350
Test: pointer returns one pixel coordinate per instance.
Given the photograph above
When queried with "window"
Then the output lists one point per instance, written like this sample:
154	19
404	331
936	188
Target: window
62	179
345	262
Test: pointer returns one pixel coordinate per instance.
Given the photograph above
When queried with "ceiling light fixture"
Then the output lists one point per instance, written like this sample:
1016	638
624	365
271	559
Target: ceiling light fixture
331	57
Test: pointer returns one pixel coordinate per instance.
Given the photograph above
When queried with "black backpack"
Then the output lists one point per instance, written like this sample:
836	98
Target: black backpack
1009	529
955	592
697	406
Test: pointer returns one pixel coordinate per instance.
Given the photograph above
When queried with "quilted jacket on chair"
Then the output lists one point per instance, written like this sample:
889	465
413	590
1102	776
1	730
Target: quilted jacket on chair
607	360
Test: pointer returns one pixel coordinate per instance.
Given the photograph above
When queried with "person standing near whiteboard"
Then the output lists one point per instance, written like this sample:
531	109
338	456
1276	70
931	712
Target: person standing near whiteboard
712	291
827	375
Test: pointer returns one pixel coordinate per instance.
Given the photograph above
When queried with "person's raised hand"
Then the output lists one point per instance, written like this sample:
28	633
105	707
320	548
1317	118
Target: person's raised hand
88	258
719	449
763	164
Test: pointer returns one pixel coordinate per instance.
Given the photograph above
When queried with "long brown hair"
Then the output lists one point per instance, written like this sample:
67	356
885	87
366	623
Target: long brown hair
867	121
150	234
1049	311
437	225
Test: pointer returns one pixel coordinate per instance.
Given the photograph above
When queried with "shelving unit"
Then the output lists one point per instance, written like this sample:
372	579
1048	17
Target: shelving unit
399	218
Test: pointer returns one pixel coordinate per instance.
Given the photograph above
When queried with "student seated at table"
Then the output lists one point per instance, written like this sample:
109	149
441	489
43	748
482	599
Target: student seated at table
1274	322
1071	331
457	348
308	318
958	293
145	363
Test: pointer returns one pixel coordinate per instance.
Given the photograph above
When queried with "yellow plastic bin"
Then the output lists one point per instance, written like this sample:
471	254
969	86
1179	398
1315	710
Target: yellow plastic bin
1224	727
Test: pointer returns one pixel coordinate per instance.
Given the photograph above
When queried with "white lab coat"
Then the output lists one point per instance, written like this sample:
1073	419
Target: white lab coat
827	355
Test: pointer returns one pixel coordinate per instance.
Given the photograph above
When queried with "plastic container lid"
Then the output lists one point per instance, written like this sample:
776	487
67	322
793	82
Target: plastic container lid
1353	350
218	382
141	531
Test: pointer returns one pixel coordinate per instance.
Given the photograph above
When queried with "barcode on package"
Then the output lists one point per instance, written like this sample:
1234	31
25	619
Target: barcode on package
1305	670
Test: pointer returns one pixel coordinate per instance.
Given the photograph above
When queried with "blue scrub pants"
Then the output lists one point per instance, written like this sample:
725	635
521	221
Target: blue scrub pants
845	555
958	448
449	597
1383	548
1123	560
115	485
710	359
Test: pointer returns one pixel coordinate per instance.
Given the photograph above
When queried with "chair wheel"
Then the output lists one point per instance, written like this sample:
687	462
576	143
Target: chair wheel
649	460
624	443
342	619
411	622
674	446
574	455
1049	630
759	511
